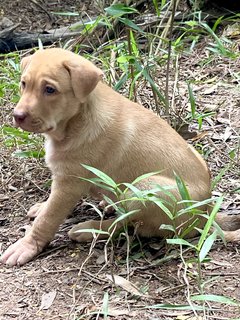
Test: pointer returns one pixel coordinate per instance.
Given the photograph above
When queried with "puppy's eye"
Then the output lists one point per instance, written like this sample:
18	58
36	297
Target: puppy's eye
49	90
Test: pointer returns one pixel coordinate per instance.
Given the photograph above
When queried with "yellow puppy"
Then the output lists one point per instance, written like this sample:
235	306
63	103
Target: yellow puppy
85	121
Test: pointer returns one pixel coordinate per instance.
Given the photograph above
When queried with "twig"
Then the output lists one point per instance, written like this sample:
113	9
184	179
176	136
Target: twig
169	57
131	66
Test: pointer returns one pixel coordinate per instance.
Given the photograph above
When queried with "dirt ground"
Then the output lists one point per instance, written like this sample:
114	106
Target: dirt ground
74	281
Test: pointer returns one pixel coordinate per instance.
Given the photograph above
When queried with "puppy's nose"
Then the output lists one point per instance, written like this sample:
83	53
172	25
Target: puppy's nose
19	116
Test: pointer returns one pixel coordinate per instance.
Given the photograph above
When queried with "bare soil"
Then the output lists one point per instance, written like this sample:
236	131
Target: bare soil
73	281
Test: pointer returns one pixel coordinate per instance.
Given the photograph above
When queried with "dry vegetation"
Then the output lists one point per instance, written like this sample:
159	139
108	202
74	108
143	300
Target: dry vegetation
130	278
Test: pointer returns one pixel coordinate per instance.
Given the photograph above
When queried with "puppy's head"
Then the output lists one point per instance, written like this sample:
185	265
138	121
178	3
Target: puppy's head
54	85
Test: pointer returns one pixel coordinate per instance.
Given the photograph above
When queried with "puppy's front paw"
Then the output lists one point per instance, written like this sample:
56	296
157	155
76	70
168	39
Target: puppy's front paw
21	252
35	209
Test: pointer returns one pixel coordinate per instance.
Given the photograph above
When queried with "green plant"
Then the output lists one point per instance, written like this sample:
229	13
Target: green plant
27	144
220	46
9	77
195	115
173	208
125	192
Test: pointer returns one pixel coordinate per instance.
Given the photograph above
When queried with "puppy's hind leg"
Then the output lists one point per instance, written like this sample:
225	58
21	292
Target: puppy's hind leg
148	218
232	236
77	232
230	223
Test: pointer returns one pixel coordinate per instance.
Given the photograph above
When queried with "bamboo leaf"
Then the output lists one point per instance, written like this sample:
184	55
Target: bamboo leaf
182	188
180	242
145	176
209	223
123	217
207	245
118	10
103	176
94	231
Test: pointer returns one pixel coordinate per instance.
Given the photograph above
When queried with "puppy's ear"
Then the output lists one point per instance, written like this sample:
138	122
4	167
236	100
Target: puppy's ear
84	77
25	62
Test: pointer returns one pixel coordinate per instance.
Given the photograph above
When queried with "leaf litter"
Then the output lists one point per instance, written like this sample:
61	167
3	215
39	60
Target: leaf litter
51	286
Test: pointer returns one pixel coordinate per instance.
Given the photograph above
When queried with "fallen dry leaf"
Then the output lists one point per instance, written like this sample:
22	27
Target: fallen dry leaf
3	197
227	134
126	285
100	259
189	318
210	90
47	300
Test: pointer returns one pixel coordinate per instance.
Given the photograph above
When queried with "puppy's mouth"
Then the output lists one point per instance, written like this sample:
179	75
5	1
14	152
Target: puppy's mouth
33	127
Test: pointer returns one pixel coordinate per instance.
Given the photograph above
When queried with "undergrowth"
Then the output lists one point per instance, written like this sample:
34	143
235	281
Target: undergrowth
174	209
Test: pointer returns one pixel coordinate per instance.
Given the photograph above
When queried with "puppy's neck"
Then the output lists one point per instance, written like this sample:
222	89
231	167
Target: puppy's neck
59	134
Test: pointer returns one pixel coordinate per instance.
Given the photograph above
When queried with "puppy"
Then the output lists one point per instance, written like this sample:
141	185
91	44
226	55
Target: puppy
86	122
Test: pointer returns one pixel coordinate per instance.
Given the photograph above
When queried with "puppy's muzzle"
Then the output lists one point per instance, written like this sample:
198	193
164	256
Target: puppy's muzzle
20	117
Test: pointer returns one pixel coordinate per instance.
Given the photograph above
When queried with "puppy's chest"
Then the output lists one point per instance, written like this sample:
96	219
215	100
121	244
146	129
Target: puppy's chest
60	161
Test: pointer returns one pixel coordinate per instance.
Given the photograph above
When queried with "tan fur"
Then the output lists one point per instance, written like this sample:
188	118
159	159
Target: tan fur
87	122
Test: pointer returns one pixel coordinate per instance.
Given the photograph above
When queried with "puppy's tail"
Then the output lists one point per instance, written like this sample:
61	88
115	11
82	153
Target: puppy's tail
230	224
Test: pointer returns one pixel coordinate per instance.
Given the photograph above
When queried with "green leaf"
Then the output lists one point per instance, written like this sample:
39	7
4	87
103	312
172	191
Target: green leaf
175	307
219	176
196	204
121	81
190	228
118	10
147	76
122	217
126	59
191	23
209	223
207	245
130	24
29	154
219	231
69	14
95	208
99	184
134	46
160	204
15	132
165	191
105	306
180	242
97	231
103	176
137	192
155	3
217	22
167	227
145	176
192	101
182	188
215	298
